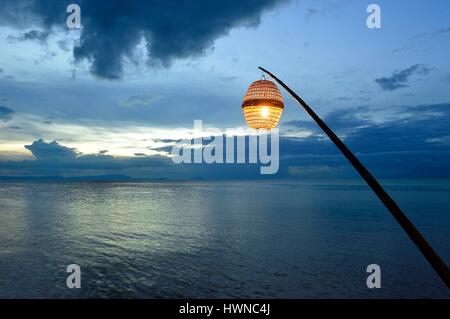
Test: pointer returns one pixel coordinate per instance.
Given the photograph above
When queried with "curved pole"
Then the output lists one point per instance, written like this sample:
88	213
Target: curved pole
433	258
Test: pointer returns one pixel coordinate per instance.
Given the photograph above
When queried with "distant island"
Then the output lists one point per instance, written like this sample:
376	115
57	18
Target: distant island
92	178
113	177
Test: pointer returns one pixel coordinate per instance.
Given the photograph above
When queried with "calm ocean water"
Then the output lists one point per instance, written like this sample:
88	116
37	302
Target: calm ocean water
218	240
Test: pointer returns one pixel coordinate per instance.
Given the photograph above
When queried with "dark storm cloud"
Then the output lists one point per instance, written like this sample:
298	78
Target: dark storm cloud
5	113
112	29
400	79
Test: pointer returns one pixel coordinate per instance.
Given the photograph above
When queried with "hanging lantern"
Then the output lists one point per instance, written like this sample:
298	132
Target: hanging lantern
262	105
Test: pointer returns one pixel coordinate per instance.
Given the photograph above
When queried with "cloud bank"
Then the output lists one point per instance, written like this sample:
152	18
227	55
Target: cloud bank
414	146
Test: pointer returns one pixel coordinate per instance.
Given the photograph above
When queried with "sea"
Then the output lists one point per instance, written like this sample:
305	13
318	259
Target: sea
221	239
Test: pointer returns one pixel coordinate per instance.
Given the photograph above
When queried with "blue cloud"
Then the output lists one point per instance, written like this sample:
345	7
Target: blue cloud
400	79
43	151
40	36
5	113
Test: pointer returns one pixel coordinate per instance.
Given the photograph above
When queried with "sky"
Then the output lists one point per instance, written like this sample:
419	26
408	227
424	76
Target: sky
115	95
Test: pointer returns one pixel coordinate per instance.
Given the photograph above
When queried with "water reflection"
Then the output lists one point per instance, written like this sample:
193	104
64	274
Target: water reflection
247	239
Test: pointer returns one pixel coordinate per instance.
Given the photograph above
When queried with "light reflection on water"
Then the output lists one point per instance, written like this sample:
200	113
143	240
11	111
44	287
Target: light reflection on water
210	240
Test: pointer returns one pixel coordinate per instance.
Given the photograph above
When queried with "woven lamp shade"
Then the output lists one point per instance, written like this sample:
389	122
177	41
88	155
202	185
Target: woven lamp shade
262	105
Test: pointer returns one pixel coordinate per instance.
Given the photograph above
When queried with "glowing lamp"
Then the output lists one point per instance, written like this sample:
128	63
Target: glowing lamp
262	105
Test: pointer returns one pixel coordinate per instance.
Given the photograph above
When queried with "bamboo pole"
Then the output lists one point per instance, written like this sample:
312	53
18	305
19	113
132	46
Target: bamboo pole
433	258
